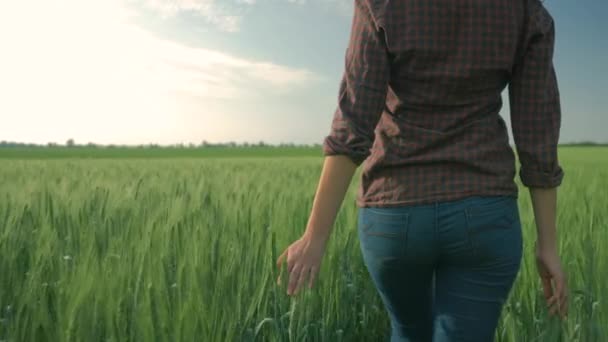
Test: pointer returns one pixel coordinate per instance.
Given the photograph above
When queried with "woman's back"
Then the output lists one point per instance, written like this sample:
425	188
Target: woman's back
421	95
419	102
451	59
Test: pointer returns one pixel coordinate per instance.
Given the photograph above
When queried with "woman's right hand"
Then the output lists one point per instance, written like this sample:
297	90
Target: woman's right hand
553	280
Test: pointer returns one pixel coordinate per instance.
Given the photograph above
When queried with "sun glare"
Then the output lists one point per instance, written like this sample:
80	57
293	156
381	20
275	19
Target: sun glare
81	64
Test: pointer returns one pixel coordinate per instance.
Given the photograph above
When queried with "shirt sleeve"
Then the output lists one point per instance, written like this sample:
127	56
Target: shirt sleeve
535	103
363	89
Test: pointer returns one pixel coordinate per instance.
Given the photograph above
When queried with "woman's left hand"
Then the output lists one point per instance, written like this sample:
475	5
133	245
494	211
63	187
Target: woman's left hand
303	259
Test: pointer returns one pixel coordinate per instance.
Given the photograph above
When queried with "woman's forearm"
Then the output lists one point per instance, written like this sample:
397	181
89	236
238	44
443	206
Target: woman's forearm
544	203
334	181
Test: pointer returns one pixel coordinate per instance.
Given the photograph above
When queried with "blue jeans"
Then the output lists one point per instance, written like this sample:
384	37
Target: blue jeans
443	270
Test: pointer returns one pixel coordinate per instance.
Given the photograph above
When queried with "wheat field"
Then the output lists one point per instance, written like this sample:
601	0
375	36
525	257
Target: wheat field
184	249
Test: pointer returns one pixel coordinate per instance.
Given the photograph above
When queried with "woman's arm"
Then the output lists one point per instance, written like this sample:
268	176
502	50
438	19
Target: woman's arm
554	282
304	255
335	179
361	100
362	97
536	120
544	204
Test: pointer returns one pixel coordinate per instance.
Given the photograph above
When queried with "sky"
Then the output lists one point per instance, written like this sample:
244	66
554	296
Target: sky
184	71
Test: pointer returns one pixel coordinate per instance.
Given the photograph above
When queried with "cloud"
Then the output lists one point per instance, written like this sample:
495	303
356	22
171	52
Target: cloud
223	16
341	7
227	15
79	67
105	43
207	73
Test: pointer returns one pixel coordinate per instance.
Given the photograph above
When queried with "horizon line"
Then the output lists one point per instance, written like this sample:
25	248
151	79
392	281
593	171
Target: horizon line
204	143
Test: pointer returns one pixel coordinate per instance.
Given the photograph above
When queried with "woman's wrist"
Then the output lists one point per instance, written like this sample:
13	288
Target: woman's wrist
317	236
546	245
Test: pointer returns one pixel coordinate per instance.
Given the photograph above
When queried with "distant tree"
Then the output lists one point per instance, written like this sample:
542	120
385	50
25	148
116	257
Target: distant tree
70	143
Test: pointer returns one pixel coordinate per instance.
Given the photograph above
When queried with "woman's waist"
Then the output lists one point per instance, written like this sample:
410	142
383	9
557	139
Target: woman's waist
399	141
416	183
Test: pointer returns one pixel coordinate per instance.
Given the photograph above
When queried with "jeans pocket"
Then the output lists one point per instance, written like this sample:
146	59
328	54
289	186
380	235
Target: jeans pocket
383	234
494	228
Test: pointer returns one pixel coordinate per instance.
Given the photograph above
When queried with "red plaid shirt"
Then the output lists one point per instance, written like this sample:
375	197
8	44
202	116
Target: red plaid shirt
420	97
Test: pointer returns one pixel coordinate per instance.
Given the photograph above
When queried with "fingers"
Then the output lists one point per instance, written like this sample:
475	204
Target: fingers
313	276
551	301
552	305
554	296
280	258
280	264
565	307
311	273
558	302
290	263
301	278
548	293
547	287
300	266
294	277
562	295
290	260
564	302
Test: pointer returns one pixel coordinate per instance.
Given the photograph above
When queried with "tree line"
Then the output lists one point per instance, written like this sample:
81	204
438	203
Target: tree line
204	144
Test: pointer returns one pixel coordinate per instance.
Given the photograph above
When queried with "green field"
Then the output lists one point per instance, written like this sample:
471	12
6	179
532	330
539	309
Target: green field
159	246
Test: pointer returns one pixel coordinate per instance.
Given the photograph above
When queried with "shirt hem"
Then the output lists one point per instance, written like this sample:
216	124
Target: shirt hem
363	202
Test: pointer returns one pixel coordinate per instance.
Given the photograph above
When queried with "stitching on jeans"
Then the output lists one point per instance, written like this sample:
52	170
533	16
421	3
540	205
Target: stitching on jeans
406	227
467	217
404	219
399	237
488	209
437	222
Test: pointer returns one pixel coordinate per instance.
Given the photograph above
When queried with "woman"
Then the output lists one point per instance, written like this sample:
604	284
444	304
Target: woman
438	222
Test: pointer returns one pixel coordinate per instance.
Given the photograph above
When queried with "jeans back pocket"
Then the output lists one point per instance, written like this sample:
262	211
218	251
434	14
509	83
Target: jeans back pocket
494	228
383	234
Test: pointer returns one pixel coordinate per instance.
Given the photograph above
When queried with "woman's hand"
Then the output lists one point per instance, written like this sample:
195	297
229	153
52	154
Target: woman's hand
303	259
305	254
555	288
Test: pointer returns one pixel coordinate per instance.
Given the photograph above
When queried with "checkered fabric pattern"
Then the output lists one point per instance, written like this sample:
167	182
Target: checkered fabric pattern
420	96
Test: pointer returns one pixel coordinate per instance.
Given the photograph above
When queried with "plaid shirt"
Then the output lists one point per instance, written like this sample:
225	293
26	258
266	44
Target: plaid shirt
420	97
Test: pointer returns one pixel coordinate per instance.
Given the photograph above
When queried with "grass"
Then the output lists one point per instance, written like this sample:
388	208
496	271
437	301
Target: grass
165	249
156	153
